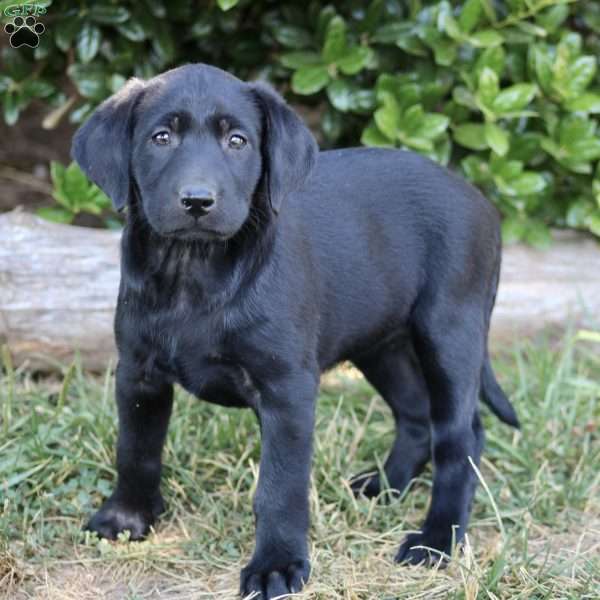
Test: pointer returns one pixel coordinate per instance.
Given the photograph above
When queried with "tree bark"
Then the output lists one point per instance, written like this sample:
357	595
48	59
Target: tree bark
58	288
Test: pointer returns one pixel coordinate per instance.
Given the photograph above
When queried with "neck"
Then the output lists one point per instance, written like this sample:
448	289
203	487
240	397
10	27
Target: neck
161	269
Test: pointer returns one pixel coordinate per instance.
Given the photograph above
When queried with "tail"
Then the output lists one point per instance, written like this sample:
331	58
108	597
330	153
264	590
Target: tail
491	392
495	398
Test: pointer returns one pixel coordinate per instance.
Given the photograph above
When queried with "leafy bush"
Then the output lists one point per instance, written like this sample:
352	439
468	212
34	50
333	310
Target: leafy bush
74	194
506	90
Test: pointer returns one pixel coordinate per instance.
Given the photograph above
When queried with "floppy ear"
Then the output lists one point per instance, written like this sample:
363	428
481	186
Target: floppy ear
102	145
289	148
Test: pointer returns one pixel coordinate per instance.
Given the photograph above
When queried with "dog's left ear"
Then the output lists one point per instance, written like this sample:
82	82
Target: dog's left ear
102	145
289	148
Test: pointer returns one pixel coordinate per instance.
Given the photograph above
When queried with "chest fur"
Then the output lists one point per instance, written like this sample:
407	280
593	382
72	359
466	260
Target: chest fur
201	351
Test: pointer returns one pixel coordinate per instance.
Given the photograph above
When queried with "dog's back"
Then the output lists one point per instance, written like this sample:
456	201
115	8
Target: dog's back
383	227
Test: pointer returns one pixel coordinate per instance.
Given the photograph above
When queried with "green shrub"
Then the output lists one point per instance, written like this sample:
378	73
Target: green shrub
74	194
505	90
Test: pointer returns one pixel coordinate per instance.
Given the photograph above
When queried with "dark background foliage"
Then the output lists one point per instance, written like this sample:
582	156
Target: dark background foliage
505	91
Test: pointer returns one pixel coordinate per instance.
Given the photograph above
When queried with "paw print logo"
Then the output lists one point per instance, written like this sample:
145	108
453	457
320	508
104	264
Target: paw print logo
24	32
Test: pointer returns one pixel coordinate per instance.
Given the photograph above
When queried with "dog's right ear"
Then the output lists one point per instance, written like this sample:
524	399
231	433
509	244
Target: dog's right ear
102	145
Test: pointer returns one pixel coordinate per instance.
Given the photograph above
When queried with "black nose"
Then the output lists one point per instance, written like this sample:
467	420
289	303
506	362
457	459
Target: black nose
197	201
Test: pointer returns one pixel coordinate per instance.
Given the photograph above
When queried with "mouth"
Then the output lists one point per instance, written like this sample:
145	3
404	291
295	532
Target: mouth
196	233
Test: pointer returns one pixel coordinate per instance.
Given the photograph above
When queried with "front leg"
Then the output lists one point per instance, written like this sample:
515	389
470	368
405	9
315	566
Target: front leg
144	408
280	562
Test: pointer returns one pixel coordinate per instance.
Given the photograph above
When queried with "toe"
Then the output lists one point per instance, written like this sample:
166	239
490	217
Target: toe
366	484
417	549
298	575
276	585
253	585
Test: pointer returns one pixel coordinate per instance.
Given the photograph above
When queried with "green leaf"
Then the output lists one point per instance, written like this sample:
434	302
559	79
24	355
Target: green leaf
90	80
56	214
476	169
581	72
404	35
591	16
372	16
372	136
488	87
412	120
537	234
339	93
292	37
461	95
528	183
65	32
5	83
450	26
117	81
346	96
587	103
486	38
585	149
513	230
332	124
407	94
354	60
37	88
388	116
80	114
542	65
310	80
514	98
11	108
227	4
552	18
442	150
470	135
445	52
496	138
157	8
88	42
132	30
107	14
73	190
411	44
57	173
335	40
469	15
505	171
433	125
391	32
298	59
493	58
525	147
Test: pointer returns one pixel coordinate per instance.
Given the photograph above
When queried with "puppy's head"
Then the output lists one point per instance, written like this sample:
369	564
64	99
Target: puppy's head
197	144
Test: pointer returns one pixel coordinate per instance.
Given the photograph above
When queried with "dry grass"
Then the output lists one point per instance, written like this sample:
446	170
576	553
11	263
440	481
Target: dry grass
56	457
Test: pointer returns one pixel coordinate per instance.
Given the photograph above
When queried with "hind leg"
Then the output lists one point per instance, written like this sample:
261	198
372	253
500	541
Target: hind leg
395	373
450	345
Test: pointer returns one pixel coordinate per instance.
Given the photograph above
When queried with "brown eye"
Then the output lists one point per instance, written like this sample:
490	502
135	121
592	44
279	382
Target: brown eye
237	141
162	138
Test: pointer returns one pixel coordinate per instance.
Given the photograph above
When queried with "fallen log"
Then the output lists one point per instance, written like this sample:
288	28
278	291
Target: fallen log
58	287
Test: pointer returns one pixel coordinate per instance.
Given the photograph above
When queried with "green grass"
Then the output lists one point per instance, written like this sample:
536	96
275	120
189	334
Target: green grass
56	465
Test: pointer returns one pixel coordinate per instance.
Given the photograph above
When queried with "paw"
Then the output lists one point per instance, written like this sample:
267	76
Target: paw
273	580
366	484
116	516
423	549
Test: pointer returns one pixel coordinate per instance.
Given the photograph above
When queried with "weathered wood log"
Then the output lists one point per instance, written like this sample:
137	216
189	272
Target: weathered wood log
58	286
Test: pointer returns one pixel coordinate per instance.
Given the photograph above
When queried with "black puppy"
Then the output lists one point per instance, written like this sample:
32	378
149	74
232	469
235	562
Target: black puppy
251	263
